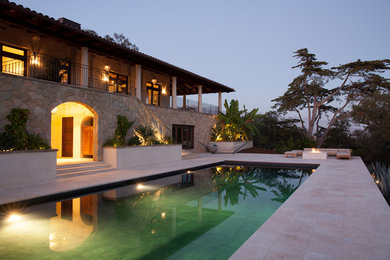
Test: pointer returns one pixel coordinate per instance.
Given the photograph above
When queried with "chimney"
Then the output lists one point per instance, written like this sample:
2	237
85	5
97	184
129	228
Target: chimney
70	23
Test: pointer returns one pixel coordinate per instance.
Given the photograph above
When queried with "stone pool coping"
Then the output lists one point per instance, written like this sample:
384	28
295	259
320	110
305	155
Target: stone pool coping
337	213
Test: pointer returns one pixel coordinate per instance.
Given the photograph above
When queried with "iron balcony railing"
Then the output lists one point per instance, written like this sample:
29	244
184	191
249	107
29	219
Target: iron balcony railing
63	71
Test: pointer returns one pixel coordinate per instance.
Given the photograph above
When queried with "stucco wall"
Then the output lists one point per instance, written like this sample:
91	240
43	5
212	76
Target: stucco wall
123	158
26	167
42	96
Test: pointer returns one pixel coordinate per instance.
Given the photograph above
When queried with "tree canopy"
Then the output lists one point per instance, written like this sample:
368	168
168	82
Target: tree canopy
329	92
117	38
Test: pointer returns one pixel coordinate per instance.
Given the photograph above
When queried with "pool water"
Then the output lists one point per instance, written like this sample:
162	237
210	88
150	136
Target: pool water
204	214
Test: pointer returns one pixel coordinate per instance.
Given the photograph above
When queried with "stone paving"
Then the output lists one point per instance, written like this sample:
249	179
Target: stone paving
337	213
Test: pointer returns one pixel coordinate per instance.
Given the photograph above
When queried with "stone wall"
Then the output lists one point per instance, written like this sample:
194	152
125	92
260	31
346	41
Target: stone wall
42	96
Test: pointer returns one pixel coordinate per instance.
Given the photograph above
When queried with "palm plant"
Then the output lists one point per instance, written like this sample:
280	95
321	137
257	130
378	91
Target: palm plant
146	133
234	124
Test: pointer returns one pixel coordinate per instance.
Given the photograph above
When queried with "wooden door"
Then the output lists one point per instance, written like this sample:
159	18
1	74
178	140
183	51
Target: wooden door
67	137
87	136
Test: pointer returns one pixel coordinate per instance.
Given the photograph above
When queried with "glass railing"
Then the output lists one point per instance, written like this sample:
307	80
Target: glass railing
192	105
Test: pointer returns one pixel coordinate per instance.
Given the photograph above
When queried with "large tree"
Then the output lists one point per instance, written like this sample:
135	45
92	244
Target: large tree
329	92
373	113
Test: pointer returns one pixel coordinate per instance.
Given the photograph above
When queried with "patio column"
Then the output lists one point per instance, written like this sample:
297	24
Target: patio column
219	102
174	89
200	98
138	81
84	67
184	101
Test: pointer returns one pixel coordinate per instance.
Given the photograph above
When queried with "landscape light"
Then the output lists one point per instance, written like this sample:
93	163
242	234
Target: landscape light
14	217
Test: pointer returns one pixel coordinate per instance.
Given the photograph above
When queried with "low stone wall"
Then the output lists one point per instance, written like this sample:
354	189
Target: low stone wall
123	158
232	147
27	167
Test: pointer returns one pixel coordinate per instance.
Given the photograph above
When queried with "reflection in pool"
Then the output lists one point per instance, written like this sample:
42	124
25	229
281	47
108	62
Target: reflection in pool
205	214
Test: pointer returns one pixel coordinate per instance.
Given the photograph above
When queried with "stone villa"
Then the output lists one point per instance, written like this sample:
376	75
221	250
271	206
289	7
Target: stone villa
76	83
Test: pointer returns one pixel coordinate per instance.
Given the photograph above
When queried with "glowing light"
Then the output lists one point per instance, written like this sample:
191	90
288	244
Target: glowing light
313	170
105	78
188	171
313	150
154	80
14	217
34	60
377	181
164	91
153	231
107	68
140	187
163	215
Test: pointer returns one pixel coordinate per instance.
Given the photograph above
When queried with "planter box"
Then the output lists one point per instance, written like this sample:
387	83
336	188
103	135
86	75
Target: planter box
232	147
129	157
26	167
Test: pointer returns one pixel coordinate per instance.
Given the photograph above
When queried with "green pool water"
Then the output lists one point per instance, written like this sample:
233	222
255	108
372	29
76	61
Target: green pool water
204	214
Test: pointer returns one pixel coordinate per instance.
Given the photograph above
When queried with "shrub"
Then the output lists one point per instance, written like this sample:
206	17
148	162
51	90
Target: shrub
134	140
168	140
146	133
235	124
381	174
123	125
16	136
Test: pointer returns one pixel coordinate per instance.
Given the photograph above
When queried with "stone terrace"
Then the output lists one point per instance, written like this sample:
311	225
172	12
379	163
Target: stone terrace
337	213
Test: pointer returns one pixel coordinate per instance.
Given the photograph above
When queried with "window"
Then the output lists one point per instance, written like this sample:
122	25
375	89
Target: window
154	92
183	134
13	60
117	83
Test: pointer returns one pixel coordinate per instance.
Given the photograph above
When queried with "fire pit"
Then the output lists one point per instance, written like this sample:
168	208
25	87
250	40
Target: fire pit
314	154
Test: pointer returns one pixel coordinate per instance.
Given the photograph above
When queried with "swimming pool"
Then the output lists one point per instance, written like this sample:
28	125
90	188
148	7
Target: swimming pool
203	214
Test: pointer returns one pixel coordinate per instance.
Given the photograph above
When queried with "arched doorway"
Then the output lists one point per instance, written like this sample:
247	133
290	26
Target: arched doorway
72	130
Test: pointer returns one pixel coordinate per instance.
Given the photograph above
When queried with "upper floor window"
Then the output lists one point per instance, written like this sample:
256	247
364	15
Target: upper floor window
117	83
154	92
13	60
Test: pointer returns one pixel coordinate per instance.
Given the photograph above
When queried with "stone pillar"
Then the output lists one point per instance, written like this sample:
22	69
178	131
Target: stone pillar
174	90
138	81
219	102
84	67
200	98
184	101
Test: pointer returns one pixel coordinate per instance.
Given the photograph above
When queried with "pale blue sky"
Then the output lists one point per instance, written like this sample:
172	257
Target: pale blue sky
247	45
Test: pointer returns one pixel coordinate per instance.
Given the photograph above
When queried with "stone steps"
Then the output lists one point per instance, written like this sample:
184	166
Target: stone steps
80	169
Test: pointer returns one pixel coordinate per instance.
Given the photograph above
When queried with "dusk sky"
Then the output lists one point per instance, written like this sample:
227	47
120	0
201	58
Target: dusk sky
246	45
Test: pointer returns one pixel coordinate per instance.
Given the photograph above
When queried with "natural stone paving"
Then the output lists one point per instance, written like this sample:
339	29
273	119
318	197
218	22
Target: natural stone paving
337	213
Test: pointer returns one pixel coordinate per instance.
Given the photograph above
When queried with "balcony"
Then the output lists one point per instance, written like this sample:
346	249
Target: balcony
191	105
67	72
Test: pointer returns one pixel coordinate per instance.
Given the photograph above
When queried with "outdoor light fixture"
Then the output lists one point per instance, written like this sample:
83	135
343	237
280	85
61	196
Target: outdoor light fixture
154	80
34	60
140	186
107	68
163	215
164	91
14	217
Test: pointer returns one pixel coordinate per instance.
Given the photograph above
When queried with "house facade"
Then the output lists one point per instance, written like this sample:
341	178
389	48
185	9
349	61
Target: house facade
76	83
